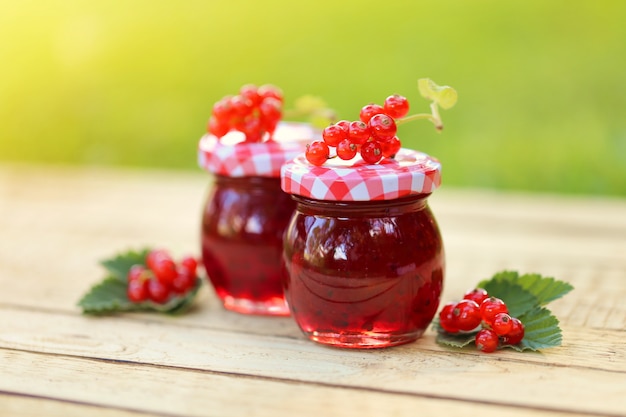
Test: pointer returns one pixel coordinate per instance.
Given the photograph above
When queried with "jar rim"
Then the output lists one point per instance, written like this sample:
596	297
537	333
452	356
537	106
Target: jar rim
410	172
232	156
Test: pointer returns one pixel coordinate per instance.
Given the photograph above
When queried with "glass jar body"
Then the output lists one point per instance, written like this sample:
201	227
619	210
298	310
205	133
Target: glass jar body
243	223
363	274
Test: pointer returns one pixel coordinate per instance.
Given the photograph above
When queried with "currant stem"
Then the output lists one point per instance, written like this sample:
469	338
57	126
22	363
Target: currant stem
434	117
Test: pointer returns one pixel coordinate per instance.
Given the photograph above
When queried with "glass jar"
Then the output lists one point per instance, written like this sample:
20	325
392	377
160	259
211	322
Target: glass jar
245	216
364	258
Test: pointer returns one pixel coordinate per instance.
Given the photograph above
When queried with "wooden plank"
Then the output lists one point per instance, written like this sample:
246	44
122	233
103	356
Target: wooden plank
30	406
100	388
589	373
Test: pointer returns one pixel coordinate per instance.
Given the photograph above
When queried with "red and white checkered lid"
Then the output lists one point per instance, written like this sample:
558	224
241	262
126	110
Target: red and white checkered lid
410	172
232	157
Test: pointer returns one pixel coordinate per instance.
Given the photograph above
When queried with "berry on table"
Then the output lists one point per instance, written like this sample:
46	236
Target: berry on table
502	324
161	277
157	291
490	307
516	334
477	294
467	315
447	320
487	340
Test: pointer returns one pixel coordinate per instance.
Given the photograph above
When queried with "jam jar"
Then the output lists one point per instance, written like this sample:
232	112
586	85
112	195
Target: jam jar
363	255
245	216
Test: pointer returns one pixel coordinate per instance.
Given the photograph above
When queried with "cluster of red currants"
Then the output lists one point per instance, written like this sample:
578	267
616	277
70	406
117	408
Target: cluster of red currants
477	310
373	136
255	111
161	278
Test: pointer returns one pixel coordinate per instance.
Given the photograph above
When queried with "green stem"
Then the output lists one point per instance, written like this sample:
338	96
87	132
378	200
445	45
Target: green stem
434	117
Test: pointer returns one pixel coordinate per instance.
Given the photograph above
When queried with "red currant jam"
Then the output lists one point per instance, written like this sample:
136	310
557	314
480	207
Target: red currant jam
242	238
363	274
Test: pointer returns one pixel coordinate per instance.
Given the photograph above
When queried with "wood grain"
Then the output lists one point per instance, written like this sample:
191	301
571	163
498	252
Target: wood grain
57	223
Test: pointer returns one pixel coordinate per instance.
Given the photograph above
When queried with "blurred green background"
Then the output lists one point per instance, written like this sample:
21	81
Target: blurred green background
542	84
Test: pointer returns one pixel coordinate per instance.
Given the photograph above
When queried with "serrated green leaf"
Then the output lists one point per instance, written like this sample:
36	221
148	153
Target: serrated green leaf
546	289
106	297
458	340
119	265
517	299
541	330
109	296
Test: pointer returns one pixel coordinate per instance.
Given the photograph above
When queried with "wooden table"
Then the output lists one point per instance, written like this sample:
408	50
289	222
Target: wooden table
57	223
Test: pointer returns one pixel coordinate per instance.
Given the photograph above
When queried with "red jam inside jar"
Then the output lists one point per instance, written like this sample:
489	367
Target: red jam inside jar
242	239
245	216
365	273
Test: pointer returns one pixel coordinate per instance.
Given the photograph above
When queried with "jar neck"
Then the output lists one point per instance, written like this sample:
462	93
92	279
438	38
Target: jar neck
247	182
378	208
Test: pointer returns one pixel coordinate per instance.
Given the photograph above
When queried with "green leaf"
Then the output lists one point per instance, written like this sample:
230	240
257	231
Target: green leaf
457	340
444	96
544	289
517	299
109	296
119	265
541	330
106	297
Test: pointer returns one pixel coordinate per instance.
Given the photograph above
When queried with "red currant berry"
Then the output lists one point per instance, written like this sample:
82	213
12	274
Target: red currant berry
516	334
467	315
222	110
154	256
317	152
269	90
217	128
157	291
447	320
270	113
487	340
490	307
137	290
334	134
477	294
371	152
189	264
162	266
502	324
183	282
252	129
382	127
251	92
369	111
242	106
391	148
358	132
346	150
344	124
136	273
396	106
